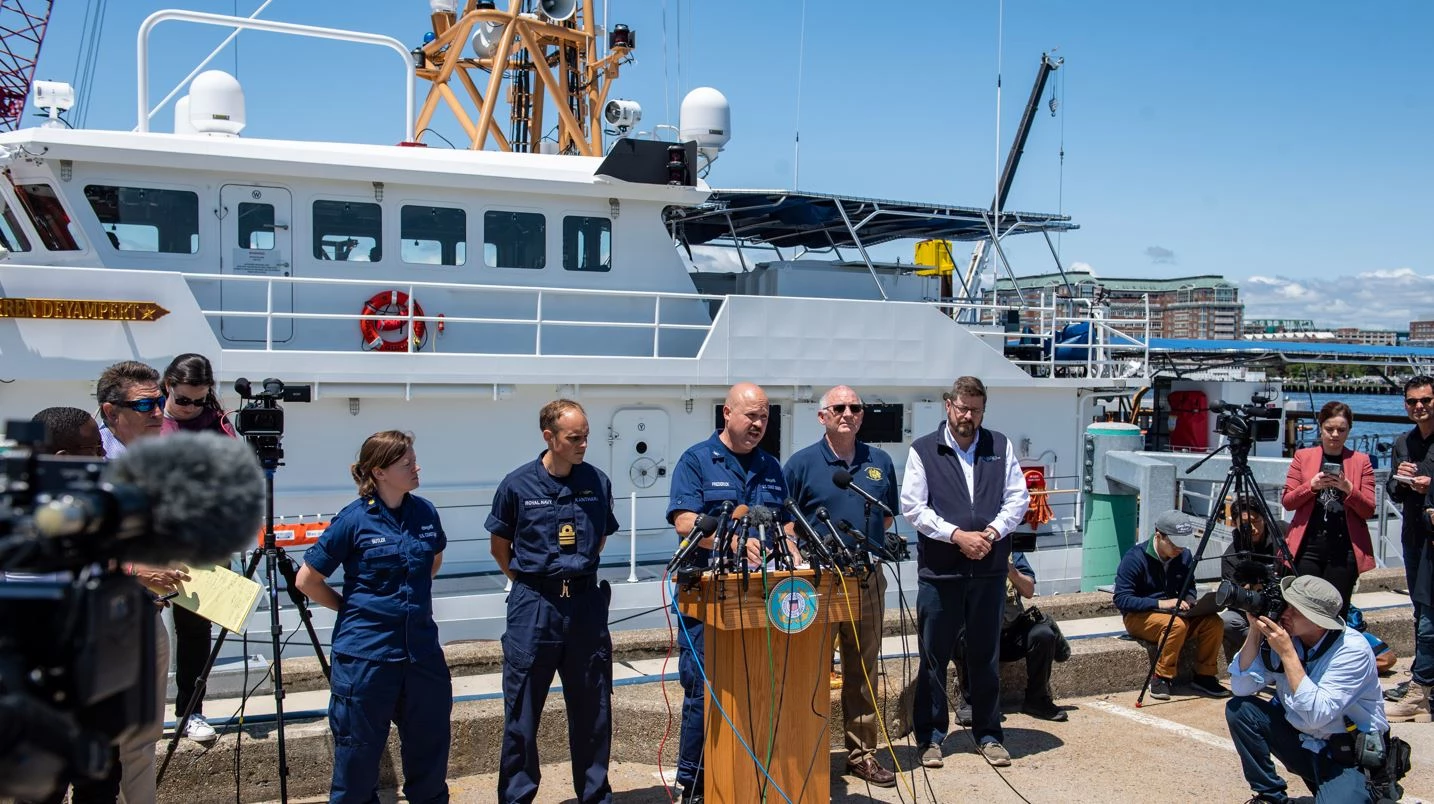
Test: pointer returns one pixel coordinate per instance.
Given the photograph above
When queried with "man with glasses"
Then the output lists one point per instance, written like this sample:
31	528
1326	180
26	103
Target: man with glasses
964	493
131	408
131	405
809	475
1409	486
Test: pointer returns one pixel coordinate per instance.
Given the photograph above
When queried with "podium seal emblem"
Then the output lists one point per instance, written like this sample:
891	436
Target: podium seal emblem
792	605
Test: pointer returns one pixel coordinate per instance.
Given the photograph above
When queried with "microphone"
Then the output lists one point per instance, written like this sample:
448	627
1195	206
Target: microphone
821	549
730	526
705	526
839	546
193	498
842	479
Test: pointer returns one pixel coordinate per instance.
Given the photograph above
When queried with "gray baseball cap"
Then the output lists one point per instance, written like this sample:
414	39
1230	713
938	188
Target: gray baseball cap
1315	598
1177	528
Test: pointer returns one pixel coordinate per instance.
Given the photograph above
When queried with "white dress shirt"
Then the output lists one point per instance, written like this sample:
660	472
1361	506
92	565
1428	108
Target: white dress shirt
915	508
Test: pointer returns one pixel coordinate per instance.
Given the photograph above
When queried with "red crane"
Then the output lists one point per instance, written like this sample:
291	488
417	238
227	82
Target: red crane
22	29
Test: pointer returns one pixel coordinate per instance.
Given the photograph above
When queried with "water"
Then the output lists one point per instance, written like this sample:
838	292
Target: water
1367	437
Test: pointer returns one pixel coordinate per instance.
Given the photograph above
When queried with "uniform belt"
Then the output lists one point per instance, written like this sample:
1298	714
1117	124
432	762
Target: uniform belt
562	587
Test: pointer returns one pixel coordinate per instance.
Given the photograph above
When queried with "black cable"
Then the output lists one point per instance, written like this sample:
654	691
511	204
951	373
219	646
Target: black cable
450	145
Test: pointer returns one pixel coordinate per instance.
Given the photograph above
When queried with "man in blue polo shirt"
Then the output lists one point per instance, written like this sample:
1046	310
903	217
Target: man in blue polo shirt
729	467
550	519
809	479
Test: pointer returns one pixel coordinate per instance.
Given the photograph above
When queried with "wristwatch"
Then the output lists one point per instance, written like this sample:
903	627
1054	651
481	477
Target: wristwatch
991	534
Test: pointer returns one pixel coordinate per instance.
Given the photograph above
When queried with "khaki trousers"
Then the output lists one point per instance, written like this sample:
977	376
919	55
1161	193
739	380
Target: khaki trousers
136	756
1207	631
860	644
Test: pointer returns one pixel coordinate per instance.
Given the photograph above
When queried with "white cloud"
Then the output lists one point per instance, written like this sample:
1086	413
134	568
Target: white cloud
715	259
1377	299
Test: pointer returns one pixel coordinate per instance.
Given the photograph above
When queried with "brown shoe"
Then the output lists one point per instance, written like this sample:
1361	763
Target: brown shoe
1414	707
996	754
870	771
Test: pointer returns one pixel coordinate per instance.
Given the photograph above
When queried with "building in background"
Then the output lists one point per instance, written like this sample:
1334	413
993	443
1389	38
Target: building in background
1421	333
1367	337
1197	307
1295	328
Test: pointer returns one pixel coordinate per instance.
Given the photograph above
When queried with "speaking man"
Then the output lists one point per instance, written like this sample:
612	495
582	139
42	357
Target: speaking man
729	467
964	493
810	476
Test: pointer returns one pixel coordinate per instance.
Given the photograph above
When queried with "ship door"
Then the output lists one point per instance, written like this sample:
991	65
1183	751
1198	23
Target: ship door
257	242
640	460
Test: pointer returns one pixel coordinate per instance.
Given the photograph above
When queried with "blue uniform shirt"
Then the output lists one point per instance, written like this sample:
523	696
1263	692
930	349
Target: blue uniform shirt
387	558
708	475
557	524
809	478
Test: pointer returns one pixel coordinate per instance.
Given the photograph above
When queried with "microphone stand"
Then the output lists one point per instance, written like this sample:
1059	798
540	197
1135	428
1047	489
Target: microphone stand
839	547
276	563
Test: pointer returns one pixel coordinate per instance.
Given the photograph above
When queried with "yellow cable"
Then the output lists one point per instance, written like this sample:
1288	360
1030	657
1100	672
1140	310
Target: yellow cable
880	721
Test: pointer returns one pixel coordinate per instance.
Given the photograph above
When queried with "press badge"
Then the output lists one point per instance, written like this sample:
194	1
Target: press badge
567	535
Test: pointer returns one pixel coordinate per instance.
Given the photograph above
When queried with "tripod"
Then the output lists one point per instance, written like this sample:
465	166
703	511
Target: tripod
276	563
1241	480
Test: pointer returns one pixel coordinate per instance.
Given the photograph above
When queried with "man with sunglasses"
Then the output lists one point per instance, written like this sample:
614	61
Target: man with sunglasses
809	474
1409	487
132	408
964	492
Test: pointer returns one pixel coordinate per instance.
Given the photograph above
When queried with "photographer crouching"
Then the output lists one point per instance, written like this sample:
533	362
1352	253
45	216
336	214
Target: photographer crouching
1326	722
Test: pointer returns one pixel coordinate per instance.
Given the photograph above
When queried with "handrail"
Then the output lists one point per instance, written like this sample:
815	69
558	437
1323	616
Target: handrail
203	18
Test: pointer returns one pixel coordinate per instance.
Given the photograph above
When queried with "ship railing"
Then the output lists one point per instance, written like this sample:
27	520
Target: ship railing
1071	337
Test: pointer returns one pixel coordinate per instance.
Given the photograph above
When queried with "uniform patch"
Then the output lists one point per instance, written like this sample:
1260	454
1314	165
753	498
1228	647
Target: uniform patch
873	473
567	535
792	605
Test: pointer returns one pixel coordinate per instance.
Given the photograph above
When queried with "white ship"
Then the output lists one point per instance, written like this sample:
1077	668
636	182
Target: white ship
349	268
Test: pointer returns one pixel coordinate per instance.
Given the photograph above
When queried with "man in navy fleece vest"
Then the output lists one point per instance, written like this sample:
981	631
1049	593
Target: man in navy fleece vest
964	493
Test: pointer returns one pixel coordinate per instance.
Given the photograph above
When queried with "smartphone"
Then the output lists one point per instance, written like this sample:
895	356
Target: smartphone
1332	468
1403	479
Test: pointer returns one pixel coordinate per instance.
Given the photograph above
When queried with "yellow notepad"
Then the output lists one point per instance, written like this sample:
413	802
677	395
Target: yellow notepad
218	594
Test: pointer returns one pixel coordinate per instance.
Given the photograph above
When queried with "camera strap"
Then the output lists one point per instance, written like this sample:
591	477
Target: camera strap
1314	654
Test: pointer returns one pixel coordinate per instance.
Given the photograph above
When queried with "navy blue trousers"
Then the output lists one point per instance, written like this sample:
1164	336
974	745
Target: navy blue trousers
1259	729
690	672
418	697
568	636
944	611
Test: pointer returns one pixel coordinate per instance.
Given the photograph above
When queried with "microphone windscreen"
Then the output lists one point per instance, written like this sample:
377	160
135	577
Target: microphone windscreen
206	496
707	524
842	478
739	512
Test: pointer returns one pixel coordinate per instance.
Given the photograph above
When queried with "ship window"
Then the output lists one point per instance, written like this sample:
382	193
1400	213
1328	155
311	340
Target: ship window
12	237
256	226
515	240
147	219
348	231
587	244
883	424
433	235
51	221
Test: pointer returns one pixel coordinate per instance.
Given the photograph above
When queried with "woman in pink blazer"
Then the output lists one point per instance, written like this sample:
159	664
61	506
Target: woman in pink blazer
1331	490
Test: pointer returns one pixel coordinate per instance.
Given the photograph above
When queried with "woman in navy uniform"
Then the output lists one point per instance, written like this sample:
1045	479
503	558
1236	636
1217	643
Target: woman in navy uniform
387	663
549	520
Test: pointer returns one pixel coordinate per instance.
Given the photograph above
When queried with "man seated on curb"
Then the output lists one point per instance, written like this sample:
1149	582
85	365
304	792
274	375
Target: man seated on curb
1325	686
1025	633
1147	584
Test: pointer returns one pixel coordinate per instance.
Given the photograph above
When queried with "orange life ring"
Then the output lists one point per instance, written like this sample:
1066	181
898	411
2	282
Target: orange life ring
391	302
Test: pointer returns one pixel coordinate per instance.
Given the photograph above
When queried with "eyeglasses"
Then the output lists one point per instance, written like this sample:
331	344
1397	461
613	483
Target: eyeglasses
147	405
186	402
1416	401
962	410
841	409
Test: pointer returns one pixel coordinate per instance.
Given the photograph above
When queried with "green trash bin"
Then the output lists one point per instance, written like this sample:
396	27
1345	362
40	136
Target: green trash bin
1110	511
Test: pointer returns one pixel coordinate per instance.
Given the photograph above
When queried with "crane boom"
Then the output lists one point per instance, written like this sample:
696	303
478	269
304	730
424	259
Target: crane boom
22	31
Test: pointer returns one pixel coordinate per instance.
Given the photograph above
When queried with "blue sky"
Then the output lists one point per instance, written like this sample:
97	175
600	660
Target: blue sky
1282	144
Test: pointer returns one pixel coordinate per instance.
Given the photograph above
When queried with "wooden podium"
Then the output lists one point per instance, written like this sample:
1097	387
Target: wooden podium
768	659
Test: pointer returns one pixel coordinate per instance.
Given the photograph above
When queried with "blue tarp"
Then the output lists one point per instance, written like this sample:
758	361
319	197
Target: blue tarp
1291	350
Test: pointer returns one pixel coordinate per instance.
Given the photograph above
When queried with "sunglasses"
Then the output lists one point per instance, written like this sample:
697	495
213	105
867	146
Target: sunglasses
147	405
841	409
1416	401
185	402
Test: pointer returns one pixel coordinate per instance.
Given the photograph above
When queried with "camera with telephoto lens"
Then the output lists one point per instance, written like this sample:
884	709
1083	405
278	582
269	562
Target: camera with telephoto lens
77	637
1237	422
1266	600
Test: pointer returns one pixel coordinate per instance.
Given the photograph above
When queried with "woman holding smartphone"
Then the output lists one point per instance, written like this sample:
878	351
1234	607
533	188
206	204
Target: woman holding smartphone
1330	487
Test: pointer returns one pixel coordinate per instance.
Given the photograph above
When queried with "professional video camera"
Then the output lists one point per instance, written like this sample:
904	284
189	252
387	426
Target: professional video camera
1237	422
261	421
77	636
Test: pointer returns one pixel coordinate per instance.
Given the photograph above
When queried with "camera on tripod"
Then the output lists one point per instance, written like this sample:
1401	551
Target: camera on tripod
261	421
1240	423
1264	598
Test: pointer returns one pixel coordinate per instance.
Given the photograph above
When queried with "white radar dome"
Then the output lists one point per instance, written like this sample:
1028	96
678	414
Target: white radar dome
182	123
706	118
216	104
